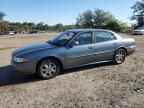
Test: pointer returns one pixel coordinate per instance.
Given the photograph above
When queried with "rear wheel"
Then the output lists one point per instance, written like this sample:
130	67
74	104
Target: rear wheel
48	69
119	56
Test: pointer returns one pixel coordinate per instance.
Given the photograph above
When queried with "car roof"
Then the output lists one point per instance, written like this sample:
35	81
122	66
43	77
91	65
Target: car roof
83	30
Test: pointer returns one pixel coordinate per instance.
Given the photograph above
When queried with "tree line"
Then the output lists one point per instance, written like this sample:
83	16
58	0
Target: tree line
27	27
88	19
98	18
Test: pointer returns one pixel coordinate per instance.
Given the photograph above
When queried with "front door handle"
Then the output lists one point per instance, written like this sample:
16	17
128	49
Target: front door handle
90	47
115	44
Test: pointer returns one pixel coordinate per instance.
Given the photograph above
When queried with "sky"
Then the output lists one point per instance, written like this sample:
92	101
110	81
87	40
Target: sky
62	11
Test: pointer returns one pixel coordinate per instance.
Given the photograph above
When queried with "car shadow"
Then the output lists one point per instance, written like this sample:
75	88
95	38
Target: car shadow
9	77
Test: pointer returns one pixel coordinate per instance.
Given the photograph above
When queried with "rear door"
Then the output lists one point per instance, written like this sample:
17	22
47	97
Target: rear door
82	53
105	45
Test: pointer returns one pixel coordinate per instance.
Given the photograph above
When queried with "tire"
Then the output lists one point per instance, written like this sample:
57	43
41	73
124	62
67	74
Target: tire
119	56
48	69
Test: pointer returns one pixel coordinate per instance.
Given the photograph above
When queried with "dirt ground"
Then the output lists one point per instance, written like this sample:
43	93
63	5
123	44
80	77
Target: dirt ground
95	86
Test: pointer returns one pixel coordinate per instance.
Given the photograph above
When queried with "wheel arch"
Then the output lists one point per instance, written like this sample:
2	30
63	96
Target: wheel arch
123	49
50	57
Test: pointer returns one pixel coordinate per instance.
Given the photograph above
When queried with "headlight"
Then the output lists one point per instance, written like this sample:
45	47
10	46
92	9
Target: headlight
20	60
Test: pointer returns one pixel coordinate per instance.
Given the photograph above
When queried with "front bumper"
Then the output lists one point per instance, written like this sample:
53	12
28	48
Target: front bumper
131	50
28	67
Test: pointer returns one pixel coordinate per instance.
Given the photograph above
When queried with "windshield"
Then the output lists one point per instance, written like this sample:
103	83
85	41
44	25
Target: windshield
63	38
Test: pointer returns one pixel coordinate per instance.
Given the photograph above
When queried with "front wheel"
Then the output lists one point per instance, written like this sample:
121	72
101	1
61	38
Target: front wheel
48	69
119	56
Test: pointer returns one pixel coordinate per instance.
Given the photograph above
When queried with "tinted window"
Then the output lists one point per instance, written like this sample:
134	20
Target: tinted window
102	36
84	38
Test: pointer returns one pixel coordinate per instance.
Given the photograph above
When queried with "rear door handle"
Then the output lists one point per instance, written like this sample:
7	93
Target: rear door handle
90	47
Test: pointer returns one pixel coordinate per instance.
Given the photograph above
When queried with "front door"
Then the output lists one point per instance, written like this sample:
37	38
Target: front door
83	52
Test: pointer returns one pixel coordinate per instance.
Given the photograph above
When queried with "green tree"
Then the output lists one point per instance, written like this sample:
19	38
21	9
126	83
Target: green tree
31	26
6	25
40	26
2	15
100	18
59	27
96	19
3	24
112	24
85	20
138	13
18	27
68	27
45	27
25	26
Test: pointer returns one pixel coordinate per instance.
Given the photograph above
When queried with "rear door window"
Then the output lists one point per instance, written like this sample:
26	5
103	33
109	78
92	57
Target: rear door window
103	36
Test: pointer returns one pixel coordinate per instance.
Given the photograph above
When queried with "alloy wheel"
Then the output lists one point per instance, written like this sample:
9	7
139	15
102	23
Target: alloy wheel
48	69
120	56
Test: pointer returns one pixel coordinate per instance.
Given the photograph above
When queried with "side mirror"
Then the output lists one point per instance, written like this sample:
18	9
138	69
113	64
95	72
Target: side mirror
73	43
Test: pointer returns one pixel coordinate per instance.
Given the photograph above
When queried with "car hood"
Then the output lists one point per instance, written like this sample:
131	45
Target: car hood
32	47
